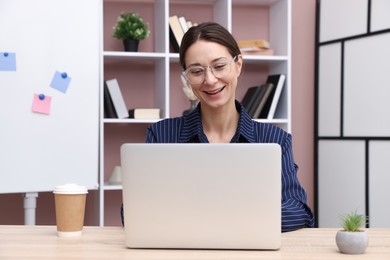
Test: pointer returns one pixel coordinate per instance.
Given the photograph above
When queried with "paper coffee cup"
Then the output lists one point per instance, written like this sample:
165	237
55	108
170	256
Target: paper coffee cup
70	209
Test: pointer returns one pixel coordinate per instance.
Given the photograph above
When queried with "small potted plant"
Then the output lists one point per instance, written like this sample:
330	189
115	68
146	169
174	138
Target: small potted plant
352	239
131	28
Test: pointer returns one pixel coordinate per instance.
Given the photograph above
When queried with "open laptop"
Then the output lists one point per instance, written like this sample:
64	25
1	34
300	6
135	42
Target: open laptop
202	196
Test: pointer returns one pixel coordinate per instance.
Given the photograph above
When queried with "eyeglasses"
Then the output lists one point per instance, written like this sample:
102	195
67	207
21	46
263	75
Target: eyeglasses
197	74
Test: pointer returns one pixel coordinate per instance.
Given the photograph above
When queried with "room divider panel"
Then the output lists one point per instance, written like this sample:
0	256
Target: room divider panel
352	110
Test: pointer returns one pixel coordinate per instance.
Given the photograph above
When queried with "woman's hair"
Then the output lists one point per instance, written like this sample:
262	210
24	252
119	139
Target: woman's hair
209	31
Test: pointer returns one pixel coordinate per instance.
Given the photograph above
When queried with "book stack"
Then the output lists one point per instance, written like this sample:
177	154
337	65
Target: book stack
255	47
255	99
178	26
115	107
278	81
261	101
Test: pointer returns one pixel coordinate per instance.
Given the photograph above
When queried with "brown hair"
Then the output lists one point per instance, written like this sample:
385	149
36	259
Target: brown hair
209	31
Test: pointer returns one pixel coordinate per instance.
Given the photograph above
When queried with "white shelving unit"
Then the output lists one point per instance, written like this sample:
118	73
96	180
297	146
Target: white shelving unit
160	70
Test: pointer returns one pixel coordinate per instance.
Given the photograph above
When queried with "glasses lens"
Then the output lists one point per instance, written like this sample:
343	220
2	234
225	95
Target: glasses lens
195	75
220	70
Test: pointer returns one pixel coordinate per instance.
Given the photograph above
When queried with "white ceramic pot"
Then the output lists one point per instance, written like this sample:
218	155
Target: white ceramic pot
352	242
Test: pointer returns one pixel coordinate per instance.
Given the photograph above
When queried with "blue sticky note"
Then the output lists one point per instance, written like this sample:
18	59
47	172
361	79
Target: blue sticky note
60	81
7	61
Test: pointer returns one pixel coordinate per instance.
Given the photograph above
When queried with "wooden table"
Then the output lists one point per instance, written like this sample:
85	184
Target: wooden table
42	242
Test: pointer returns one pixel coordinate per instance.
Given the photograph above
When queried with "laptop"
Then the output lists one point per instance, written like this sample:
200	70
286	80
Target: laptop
202	196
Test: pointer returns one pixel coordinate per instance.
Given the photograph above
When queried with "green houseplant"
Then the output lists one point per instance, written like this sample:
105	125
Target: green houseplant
352	239
131	28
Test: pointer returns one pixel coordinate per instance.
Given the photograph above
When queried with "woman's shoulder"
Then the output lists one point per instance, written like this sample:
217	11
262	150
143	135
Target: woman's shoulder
269	133
175	129
258	131
164	131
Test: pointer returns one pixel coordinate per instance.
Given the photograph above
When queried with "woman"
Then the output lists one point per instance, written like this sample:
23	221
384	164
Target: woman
212	63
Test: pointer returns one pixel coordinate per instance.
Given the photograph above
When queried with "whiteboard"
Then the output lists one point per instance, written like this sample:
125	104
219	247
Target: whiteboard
40	150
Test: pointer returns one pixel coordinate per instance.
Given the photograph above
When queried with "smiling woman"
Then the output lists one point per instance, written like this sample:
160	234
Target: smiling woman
213	77
212	63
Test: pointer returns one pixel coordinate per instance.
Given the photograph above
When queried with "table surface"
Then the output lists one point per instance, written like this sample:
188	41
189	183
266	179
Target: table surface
42	242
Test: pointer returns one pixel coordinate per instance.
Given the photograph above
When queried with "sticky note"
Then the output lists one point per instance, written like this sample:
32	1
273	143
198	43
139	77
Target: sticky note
7	61
60	81
41	104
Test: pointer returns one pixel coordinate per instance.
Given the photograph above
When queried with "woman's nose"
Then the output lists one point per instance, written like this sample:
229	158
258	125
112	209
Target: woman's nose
209	77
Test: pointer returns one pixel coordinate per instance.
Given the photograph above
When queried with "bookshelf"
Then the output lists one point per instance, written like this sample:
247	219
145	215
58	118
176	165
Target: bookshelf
151	76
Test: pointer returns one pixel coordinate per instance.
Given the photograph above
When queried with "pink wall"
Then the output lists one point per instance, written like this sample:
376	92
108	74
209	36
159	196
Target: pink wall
303	43
303	65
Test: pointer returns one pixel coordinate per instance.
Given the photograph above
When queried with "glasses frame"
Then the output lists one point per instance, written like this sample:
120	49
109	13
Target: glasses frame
229	63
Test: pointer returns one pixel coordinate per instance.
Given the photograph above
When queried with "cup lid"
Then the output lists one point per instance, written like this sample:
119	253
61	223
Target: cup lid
70	188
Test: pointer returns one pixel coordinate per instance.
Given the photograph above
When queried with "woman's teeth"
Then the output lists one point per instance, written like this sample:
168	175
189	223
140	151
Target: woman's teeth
215	91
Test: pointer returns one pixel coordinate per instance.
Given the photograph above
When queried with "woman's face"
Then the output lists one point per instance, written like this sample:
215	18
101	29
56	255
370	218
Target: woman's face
214	92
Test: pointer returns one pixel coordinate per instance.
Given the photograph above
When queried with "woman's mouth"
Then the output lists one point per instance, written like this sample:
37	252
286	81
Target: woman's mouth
214	92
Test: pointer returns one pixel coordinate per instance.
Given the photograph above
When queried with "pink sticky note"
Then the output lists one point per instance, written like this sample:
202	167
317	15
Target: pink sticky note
41	104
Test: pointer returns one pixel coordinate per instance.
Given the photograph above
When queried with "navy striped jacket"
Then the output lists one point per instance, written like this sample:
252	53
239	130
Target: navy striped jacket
296	213
188	129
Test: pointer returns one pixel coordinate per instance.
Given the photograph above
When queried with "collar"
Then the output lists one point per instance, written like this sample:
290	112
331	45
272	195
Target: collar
192	131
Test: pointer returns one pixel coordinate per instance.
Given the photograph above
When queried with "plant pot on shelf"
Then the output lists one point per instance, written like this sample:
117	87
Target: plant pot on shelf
131	45
352	242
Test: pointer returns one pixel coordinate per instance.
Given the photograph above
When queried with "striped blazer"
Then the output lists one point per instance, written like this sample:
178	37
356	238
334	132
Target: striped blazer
296	213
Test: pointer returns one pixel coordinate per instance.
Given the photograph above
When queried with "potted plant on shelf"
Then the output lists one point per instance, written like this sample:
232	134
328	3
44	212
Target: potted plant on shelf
352	239
131	28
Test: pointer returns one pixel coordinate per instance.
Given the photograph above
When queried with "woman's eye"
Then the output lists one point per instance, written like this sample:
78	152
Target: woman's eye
219	66
196	72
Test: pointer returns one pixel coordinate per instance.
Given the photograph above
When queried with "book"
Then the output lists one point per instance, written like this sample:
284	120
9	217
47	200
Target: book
109	108
260	101
256	51
258	43
175	32
249	97
183	23
189	24
144	113
270	107
256	97
117	98
255	47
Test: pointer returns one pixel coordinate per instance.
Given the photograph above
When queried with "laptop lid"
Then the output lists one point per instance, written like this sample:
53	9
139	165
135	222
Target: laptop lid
204	196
